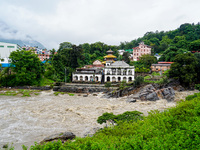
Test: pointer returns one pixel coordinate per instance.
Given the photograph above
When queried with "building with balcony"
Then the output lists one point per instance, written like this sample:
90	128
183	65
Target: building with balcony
119	71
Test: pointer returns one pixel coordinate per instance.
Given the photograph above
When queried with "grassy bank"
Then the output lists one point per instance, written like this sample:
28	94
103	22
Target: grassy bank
21	92
175	128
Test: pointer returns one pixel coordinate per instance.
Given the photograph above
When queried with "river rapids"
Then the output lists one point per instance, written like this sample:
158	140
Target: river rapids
25	120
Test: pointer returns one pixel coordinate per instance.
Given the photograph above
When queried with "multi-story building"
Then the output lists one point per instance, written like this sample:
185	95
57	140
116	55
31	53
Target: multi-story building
140	50
119	71
5	50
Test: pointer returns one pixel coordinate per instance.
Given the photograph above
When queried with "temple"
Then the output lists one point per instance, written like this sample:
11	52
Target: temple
109	71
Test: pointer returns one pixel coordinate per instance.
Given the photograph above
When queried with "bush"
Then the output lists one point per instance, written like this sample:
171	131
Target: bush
126	116
108	84
197	87
138	81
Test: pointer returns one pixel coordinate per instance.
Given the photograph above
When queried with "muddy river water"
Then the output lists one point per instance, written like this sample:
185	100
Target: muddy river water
24	120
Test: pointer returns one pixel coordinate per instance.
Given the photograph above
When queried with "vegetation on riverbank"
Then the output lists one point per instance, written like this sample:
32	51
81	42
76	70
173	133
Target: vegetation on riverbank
62	93
174	128
22	92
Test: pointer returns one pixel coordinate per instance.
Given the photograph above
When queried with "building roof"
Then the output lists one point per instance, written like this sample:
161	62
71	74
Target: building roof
110	56
161	65
109	51
120	64
162	62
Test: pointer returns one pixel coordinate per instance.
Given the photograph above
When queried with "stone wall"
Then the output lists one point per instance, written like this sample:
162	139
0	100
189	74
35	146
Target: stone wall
80	88
33	87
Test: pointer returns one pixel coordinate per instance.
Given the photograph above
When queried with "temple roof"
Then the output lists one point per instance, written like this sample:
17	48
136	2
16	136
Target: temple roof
109	51
110	56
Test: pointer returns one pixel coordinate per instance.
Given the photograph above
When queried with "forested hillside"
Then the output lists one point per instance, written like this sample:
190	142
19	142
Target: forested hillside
183	37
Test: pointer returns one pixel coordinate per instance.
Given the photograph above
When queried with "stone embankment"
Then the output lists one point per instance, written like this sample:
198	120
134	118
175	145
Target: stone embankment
82	88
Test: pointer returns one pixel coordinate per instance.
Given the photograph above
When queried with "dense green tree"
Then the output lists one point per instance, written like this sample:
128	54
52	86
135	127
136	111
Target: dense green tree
147	60
68	58
184	68
125	57
197	55
195	45
170	53
27	67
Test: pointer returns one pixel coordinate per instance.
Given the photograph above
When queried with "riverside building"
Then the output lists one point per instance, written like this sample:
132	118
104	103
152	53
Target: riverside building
112	71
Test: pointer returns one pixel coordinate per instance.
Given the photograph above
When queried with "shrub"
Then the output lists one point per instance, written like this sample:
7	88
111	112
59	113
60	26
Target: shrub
126	116
197	86
138	81
108	84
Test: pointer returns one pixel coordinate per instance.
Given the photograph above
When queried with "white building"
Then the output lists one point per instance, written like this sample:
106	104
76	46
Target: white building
87	75
121	51
119	71
5	50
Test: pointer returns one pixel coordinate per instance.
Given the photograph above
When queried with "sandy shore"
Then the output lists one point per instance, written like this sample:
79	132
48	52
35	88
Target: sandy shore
24	120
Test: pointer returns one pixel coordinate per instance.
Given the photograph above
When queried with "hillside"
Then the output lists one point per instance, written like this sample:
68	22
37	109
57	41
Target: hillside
161	40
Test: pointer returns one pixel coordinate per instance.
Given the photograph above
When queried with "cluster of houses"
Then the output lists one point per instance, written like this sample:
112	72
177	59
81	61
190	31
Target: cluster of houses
110	70
43	54
7	48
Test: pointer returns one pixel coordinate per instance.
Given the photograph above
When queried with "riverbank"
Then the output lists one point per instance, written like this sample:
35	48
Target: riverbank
28	119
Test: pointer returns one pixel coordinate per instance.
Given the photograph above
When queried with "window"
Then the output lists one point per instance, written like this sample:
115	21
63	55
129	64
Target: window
1	46
10	46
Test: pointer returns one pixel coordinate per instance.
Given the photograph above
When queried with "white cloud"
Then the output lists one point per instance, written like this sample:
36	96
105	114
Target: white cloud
108	21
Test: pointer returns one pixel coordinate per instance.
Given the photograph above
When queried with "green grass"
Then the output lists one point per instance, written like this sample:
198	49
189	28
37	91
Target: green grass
23	92
45	81
70	94
57	93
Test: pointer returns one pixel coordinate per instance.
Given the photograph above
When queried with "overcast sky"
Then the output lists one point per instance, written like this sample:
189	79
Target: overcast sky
87	21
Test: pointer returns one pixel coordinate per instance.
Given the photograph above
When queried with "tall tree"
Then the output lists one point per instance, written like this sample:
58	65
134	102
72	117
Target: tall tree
147	60
125	57
184	68
27	67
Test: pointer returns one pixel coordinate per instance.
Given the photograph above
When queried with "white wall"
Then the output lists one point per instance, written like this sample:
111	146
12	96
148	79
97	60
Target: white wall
6	49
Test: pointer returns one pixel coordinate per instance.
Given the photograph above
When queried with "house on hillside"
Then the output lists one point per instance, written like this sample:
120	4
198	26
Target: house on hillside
140	50
161	66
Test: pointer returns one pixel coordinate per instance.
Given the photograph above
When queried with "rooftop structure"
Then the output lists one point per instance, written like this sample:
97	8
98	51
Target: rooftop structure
110	58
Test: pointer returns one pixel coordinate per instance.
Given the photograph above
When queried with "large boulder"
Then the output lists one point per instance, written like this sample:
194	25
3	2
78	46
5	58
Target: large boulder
63	136
168	93
148	93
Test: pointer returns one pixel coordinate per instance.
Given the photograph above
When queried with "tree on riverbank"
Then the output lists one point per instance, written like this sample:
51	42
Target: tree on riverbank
184	69
26	68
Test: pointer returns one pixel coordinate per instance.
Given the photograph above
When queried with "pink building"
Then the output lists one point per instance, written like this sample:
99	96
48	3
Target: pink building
140	50
43	57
